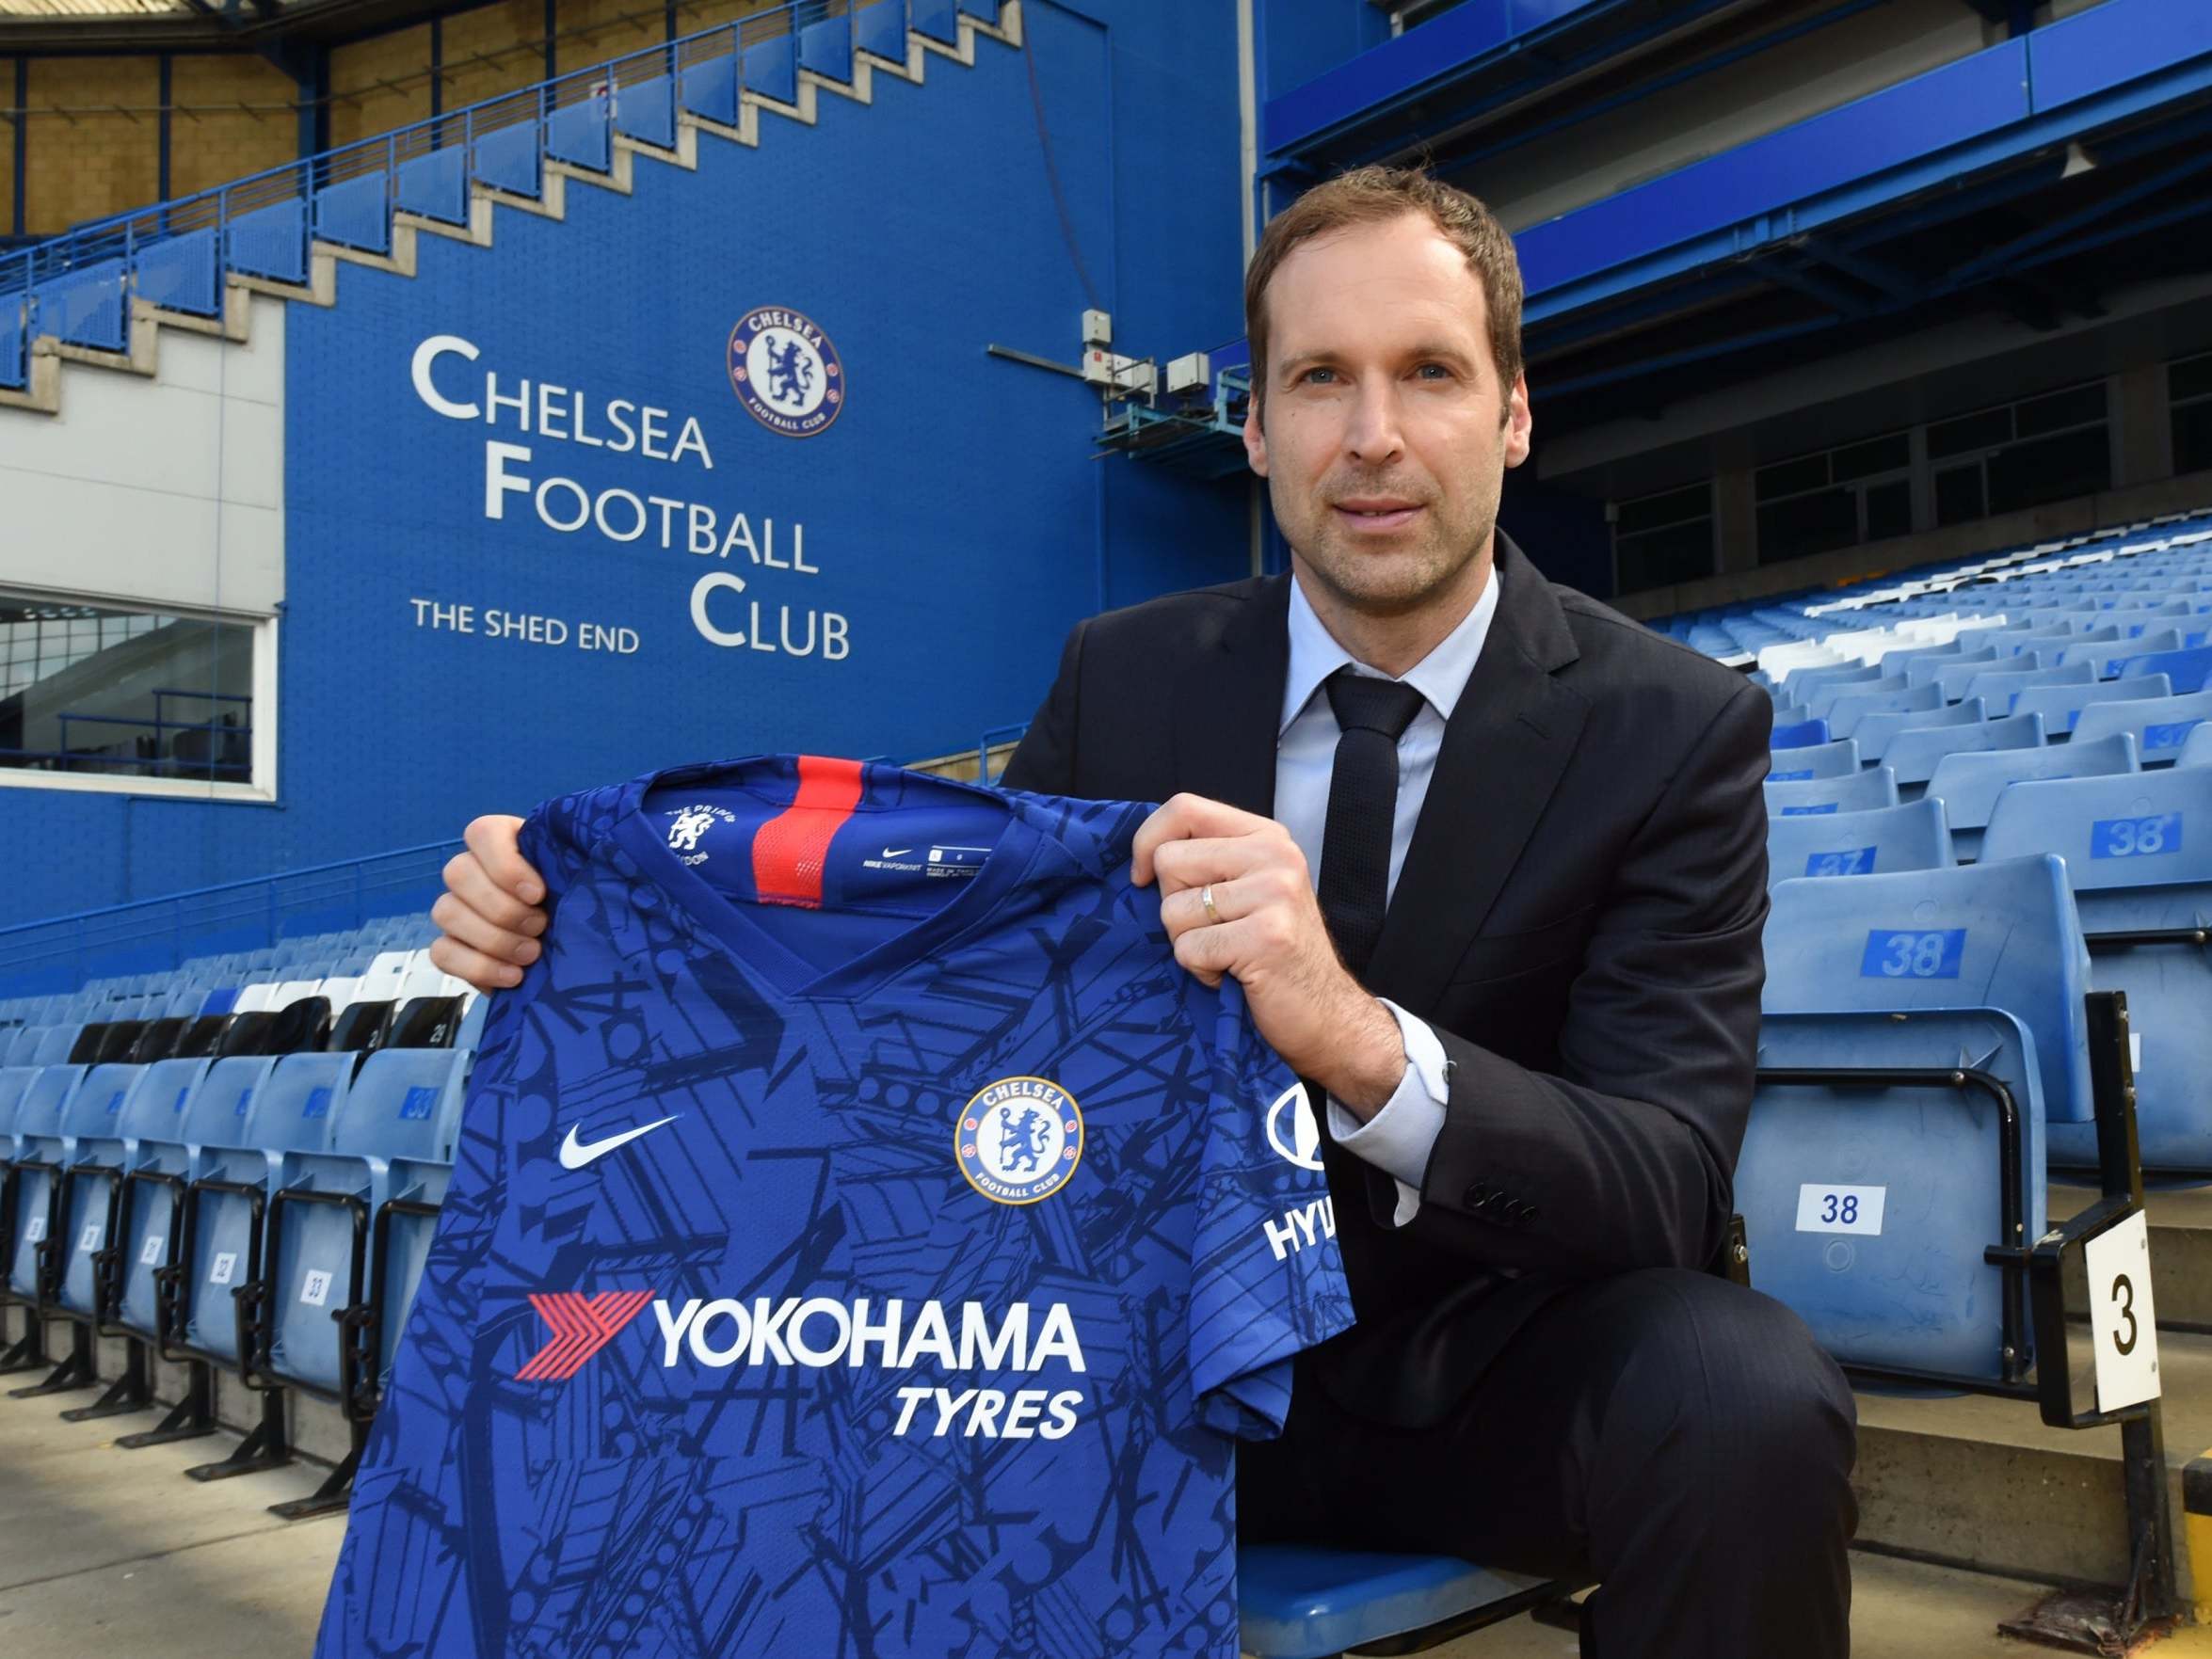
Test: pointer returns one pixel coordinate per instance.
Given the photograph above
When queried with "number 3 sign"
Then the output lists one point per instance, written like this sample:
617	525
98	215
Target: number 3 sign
2121	1317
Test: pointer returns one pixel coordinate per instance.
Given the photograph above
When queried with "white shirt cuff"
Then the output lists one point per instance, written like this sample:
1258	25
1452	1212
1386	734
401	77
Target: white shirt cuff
1399	1137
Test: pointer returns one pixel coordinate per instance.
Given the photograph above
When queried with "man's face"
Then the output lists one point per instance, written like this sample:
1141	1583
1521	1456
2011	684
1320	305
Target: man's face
1386	431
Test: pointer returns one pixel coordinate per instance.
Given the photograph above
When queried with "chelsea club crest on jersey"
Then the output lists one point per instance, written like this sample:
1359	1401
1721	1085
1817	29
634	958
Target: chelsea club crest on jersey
785	371
1020	1139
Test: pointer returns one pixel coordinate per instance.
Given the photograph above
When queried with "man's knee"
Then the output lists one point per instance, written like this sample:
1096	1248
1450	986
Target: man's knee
1709	1367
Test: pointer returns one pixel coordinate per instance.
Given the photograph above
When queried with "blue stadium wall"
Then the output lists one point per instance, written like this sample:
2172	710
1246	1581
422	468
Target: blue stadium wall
953	521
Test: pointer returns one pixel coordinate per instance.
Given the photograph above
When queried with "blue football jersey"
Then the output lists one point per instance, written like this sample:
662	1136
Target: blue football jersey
864	1240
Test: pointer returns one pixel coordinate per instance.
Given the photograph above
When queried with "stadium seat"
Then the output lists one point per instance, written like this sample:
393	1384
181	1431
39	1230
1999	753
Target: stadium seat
2137	855
1801	734
1847	711
2187	669
2103	660
1870	1203
1871	787
2159	724
1821	700
309	1314
1300	1603
1882	841
1838	759
2061	705
1913	755
1969	784
1875	732
1930	670
1998	686
2196	749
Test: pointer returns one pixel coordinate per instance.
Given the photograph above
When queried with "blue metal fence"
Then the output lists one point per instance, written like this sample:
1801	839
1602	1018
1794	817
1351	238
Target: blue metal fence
154	934
177	254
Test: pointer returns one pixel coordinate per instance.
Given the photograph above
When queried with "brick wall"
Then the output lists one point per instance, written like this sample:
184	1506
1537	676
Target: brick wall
220	141
88	165
7	148
360	106
592	31
489	51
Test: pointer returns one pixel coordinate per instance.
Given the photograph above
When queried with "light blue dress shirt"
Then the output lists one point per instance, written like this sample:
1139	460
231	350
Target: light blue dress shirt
1398	1138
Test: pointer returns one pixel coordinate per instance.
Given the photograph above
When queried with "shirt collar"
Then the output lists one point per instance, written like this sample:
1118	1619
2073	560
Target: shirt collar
1440	676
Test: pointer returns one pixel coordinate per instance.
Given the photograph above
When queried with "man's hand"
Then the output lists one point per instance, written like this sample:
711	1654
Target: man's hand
1271	938
489	912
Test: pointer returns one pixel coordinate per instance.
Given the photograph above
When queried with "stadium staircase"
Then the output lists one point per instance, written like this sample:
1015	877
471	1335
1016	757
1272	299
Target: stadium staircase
102	295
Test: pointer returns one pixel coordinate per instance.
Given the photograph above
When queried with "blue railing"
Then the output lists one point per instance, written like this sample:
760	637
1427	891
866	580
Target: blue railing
154	934
177	255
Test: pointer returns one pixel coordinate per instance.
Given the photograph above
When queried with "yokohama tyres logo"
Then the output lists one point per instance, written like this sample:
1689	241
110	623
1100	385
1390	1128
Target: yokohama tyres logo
581	1326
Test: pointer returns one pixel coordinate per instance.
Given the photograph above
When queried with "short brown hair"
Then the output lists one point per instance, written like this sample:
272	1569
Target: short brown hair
1375	195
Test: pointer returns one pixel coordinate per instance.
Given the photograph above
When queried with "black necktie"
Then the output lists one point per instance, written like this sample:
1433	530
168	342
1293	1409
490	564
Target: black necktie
1355	886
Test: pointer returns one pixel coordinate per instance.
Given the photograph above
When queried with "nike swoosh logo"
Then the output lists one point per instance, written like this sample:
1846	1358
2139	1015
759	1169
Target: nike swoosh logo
896	852
575	1153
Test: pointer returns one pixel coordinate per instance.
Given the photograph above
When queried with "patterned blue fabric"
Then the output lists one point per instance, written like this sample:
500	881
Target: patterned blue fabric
778	1375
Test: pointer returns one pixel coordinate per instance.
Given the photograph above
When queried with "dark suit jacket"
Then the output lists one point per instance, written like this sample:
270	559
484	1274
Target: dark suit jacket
1577	917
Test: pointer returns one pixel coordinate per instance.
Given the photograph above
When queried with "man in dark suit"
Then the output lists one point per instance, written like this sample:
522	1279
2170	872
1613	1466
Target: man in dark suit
1489	863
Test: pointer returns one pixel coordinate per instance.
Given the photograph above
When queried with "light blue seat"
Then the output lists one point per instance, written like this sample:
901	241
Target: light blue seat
2196	750
1821	700
100	1146
1930	670
1295	1601
1878	842
2160	725
288	1115
1869	1205
1913	755
1969	784
392	1139
2104	659
41	1151
158	1126
2137	855
1871	787
2187	669
1801	734
1958	681
1839	759
1875	732
1806	683
2060	640
2061	705
1998	687
1847	711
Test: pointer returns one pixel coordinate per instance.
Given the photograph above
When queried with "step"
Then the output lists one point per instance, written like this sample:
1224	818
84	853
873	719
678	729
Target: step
2181	1248
1981	1482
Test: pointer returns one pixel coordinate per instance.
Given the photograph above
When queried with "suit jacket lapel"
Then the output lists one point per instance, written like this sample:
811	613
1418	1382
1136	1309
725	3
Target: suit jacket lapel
1510	737
1230	701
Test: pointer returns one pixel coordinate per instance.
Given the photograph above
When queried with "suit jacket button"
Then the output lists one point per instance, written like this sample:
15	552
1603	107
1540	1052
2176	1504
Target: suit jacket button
1475	1194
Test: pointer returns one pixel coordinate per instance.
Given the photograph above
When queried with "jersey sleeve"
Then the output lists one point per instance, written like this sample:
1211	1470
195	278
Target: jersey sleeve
1266	1278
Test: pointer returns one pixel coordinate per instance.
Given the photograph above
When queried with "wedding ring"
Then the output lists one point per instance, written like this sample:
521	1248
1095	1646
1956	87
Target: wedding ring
1206	903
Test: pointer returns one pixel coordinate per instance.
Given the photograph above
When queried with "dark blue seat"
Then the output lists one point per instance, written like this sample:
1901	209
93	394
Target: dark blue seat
1300	1603
2138	853
1839	759
1878	842
1869	1205
1802	734
1969	784
1870	787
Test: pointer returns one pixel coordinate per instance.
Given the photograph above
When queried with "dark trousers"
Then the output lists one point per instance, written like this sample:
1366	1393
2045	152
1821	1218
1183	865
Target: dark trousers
1679	1439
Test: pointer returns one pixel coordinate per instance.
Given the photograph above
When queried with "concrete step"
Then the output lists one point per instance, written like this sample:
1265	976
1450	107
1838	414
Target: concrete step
2181	1248
1900	1610
1982	1483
